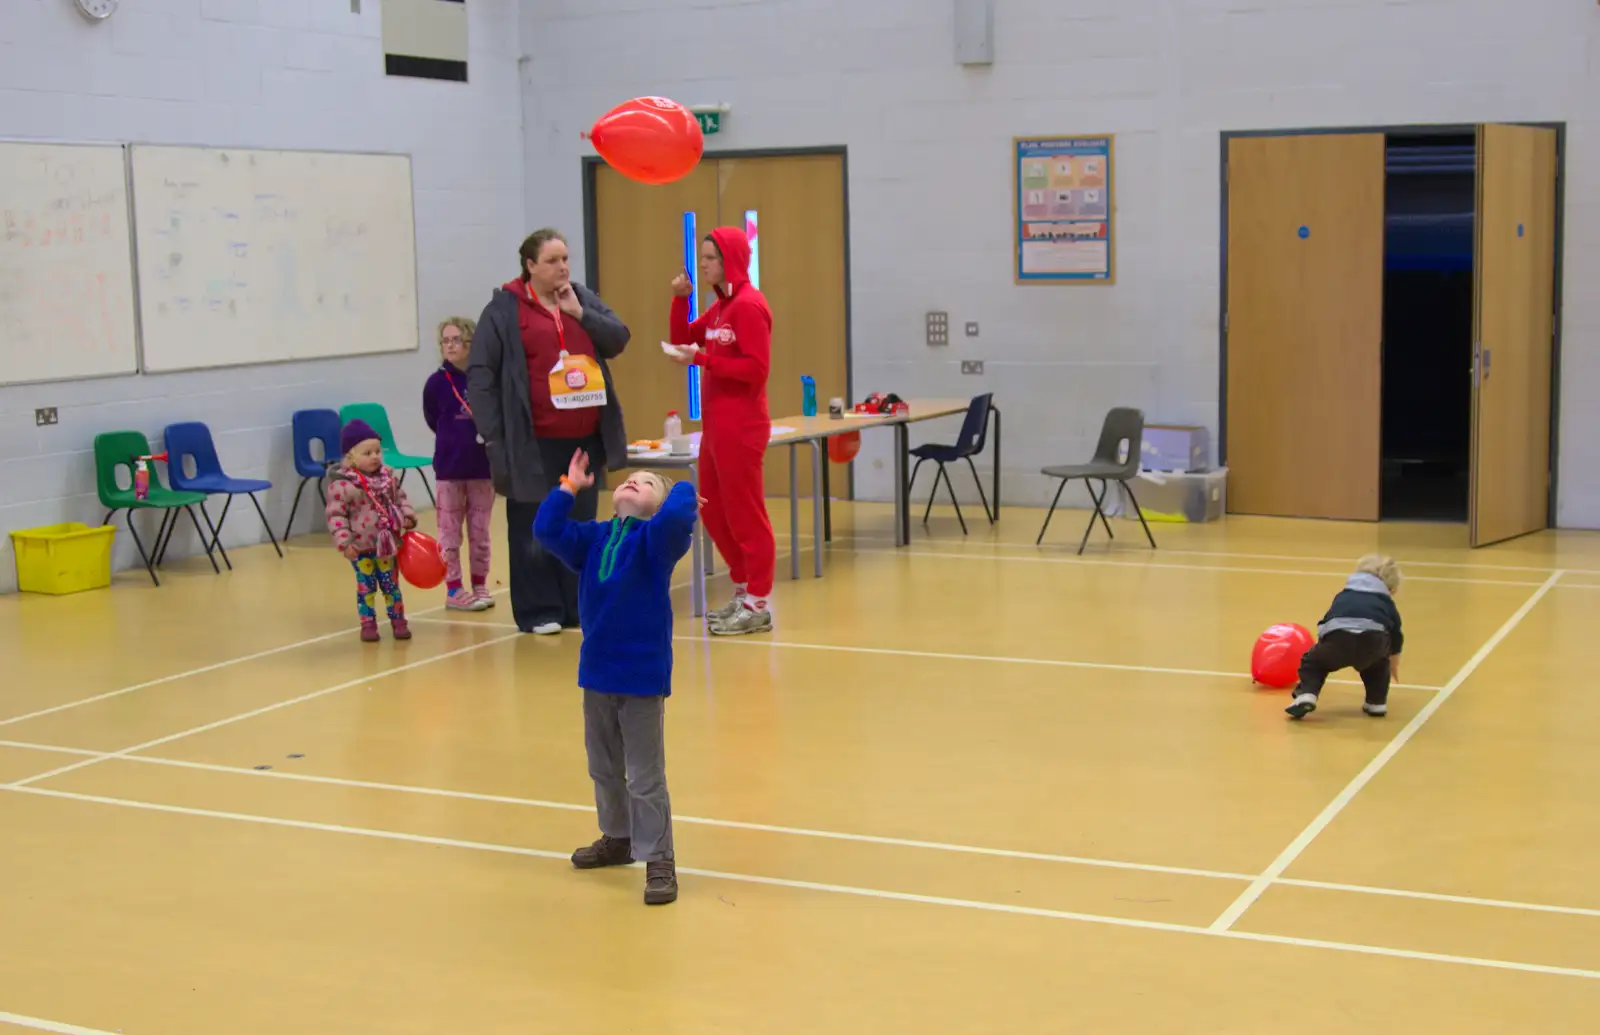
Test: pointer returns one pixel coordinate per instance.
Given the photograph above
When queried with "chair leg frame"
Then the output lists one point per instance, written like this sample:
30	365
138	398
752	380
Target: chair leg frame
951	489
161	554
944	475
1051	512
144	555
1139	511
267	526
215	531
982	496
424	476
288	527
1099	511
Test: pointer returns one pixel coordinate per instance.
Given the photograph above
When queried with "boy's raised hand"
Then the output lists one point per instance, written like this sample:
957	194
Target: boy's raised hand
578	471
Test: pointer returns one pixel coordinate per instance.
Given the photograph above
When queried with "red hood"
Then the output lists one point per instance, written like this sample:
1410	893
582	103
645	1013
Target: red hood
735	249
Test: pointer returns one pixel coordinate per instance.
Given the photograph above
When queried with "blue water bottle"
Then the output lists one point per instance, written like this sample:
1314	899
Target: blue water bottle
808	395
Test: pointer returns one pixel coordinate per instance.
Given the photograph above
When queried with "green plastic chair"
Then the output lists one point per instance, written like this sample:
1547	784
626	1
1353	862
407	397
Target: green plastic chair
118	449
375	415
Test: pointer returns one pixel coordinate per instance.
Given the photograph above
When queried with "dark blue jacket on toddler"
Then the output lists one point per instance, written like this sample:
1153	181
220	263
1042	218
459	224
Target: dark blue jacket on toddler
624	569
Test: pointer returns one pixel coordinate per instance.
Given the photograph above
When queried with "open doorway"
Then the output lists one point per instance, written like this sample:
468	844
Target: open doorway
1389	340
1430	198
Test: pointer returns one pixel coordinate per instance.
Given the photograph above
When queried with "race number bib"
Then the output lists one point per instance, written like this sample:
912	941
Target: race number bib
576	383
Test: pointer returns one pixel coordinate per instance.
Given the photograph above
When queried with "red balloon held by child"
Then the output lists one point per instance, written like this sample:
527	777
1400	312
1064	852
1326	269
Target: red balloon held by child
1275	661
650	139
420	562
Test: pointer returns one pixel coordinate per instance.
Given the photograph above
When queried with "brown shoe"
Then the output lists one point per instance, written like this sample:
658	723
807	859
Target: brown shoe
608	851
660	883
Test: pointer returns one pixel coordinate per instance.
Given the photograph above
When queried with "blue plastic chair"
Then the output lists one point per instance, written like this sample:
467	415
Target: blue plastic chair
310	426
192	440
974	436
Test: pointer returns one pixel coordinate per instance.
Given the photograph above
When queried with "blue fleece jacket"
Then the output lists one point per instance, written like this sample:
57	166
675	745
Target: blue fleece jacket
624	569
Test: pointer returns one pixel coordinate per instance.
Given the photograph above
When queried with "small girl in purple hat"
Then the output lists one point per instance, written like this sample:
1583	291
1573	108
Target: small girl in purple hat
367	512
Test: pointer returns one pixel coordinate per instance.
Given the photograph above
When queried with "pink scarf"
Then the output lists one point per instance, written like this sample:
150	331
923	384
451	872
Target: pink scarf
380	490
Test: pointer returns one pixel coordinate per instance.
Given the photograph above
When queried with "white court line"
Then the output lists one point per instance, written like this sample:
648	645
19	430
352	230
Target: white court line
38	1024
1248	897
500	799
837	889
416	616
203	669
281	704
313	695
1097	562
830	835
1048	547
943	656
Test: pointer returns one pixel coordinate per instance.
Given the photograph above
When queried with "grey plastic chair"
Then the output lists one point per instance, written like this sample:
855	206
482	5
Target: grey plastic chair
1123	428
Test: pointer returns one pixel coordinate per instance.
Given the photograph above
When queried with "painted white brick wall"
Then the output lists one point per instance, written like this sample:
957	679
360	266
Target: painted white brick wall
929	155
258	73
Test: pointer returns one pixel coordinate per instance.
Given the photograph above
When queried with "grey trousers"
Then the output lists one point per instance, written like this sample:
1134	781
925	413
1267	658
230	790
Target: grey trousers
626	738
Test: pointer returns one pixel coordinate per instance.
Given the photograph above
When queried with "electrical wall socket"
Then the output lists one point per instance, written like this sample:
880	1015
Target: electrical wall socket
938	325
972	329
972	366
45	415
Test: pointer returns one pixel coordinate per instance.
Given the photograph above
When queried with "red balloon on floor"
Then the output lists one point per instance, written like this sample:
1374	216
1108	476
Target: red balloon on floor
1275	661
649	139
420	563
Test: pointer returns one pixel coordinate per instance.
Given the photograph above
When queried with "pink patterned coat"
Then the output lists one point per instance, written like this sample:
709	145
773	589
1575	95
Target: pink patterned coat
353	517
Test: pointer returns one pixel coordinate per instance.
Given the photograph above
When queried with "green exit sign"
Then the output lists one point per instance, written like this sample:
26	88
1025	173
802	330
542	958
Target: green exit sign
710	121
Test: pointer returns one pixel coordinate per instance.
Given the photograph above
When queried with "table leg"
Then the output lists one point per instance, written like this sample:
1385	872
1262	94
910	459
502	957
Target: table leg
827	502
794	510
698	551
902	508
818	501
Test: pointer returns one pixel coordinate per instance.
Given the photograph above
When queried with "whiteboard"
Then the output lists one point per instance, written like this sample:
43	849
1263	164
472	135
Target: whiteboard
265	256
66	266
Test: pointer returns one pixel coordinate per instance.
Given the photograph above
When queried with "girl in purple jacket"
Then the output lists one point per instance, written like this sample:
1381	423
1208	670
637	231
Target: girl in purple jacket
466	494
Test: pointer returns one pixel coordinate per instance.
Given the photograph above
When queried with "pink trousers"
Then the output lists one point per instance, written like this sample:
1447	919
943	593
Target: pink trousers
470	503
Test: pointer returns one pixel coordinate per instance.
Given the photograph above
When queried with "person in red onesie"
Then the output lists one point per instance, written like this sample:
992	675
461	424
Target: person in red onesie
732	345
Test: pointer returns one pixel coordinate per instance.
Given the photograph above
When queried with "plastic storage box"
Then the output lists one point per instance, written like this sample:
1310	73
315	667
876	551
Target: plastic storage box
1196	497
1175	447
59	559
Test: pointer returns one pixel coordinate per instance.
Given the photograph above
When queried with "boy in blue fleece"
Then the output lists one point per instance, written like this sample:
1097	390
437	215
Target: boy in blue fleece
624	569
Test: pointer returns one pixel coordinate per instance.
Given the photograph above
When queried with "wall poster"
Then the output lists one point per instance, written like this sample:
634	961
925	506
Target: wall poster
1065	217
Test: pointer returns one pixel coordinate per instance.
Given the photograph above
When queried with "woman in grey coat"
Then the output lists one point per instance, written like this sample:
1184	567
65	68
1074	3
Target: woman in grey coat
535	406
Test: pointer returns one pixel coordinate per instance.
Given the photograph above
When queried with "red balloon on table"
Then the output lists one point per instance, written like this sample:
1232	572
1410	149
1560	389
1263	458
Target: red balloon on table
1275	661
650	139
420	563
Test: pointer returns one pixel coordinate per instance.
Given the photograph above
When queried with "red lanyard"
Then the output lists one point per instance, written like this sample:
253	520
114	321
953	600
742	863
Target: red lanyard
452	383
555	314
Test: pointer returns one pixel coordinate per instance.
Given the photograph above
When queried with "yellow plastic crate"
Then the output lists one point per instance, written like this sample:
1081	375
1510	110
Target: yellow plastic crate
66	558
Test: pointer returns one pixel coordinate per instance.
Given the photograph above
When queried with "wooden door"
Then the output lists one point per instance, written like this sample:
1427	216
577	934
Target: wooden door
1513	332
639	242
799	202
1304	325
